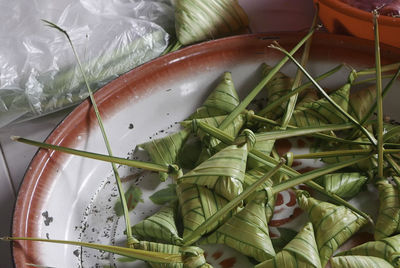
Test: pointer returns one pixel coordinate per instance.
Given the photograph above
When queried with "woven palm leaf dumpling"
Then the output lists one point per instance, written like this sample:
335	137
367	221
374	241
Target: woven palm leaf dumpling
225	174
229	177
224	230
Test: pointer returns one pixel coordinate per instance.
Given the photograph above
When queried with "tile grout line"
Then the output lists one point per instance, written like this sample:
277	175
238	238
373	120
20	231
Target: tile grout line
7	172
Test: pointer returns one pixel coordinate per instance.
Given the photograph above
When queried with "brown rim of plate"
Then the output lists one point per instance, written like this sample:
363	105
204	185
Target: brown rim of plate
359	13
33	189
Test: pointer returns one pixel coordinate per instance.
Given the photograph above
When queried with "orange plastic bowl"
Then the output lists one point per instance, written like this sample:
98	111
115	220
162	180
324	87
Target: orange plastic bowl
341	18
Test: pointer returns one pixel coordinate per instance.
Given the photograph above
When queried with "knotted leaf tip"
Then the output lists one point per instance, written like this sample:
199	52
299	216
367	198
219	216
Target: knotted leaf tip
175	171
395	259
289	157
193	256
302	193
250	138
249	115
15	138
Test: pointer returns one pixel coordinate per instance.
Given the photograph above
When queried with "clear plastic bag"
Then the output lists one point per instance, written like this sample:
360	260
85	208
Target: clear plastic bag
38	72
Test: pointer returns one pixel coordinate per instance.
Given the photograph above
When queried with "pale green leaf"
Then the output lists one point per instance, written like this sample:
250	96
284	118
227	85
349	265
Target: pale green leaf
133	196
165	195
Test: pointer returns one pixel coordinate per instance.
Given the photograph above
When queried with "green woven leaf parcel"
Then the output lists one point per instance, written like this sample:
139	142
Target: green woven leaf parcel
255	174
191	256
279	85
388	219
333	225
221	101
197	204
345	185
165	151
385	248
301	251
359	262
222	172
160	227
361	101
198	20
322	112
247	231
232	129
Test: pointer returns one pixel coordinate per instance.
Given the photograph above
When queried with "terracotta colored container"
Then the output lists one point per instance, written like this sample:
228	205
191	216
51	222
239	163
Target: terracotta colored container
341	18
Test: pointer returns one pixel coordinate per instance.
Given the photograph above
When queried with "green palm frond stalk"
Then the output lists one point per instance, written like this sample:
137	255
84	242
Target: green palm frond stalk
112	159
379	97
326	96
246	101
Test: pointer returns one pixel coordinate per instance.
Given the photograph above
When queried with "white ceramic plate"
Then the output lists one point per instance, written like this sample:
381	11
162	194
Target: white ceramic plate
71	198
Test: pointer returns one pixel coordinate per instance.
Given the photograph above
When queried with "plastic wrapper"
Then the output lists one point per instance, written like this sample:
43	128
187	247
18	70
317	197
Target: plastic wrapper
39	73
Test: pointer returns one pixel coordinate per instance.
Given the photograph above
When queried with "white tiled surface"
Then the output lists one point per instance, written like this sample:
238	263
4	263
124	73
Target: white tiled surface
265	15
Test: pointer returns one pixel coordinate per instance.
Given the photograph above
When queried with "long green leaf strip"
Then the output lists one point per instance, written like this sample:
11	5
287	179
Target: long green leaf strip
222	100
158	255
322	112
363	165
301	251
385	248
345	185
165	151
333	225
247	231
146	251
199	20
222	172
197	204
388	221
161	248
130	239
160	227
359	262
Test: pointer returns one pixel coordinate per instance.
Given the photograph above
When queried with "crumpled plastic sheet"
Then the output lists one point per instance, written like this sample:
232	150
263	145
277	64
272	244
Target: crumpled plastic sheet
38	71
